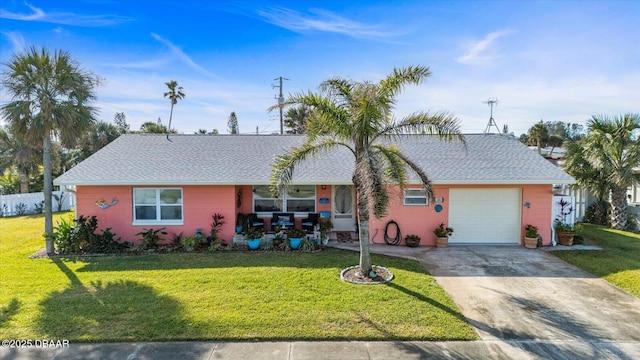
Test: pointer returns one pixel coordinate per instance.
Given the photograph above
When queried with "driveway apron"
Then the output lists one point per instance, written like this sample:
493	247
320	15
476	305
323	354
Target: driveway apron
532	297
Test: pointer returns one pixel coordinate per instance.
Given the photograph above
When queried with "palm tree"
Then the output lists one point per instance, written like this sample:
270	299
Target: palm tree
50	96
606	161
539	133
358	116
16	152
174	94
295	120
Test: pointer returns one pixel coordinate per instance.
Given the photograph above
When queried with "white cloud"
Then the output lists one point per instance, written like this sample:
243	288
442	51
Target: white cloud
38	14
182	56
16	39
481	50
324	21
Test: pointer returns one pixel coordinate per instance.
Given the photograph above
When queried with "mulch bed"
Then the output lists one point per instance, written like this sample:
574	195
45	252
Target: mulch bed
354	275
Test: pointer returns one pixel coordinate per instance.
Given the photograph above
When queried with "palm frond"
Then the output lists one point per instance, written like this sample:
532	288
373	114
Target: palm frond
395	82
285	165
443	125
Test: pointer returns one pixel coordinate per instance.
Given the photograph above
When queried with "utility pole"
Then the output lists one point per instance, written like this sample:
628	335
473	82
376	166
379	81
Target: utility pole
491	102
280	100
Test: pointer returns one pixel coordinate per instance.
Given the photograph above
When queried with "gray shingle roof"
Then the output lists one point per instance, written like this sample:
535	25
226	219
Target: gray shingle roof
138	159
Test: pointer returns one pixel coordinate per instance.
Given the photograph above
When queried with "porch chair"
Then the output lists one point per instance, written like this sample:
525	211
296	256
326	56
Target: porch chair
254	222
309	223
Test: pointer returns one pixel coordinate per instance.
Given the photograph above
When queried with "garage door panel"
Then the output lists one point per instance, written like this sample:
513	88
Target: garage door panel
490	216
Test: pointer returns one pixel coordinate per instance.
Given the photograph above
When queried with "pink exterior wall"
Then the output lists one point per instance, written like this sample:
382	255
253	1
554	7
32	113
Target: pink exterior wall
200	203
421	220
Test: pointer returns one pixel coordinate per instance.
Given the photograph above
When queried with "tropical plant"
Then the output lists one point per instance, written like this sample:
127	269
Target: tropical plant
443	231
253	233
562	226
531	231
324	226
295	119
189	243
412	240
151	127
16	153
606	161
296	233
217	220
174	94
150	237
50	96
81	236
538	134
358	116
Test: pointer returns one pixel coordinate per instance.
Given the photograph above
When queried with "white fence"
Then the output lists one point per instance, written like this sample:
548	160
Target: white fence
582	199
32	203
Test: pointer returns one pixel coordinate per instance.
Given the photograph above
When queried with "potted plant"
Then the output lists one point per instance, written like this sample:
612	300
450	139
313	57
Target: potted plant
254	238
324	227
442	235
295	237
412	240
530	236
189	243
240	221
565	233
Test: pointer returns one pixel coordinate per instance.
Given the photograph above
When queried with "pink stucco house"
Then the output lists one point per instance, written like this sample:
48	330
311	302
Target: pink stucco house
488	192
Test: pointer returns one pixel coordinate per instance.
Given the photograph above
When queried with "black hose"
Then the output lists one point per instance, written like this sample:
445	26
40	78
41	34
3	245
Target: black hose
395	240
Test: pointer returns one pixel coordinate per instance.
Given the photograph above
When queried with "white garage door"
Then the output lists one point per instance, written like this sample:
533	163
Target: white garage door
484	216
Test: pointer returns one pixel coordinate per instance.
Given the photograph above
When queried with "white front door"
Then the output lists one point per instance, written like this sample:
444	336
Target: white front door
342	214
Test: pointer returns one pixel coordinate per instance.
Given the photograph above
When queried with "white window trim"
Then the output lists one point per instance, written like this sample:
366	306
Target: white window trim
405	197
283	200
146	222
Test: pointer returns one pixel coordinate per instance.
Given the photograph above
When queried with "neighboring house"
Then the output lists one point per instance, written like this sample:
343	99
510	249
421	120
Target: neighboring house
488	192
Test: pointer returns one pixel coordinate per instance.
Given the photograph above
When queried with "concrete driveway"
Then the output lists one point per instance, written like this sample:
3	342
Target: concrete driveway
512	293
534	302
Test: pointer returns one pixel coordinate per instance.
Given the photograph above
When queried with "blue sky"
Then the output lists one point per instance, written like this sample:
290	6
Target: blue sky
550	60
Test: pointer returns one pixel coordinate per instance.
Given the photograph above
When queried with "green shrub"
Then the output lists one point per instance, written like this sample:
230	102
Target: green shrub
598	213
81	236
151	238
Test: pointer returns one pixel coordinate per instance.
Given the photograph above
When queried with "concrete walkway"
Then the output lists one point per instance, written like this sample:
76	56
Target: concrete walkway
525	304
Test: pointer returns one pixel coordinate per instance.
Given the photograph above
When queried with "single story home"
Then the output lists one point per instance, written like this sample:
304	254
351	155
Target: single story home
487	191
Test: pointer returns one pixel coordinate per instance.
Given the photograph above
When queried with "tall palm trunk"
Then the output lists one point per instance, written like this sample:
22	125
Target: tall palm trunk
170	117
48	190
619	207
24	181
362	200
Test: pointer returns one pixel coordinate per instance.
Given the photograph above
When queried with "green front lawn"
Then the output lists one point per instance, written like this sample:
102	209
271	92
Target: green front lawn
223	296
618	262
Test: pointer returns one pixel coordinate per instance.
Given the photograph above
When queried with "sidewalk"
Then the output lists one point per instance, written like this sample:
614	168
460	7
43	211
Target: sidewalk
330	350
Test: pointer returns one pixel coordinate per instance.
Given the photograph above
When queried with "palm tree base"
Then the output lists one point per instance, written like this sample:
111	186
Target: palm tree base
354	275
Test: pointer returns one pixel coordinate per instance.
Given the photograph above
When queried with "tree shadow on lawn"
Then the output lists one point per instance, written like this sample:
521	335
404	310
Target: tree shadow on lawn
327	258
112	311
8	311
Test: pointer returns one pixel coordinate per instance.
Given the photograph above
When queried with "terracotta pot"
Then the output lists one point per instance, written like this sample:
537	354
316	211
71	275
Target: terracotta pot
530	243
565	238
442	242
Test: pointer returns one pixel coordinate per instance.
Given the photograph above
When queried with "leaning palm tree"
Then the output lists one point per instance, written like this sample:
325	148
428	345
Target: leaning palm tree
606	161
50	96
174	94
358	116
